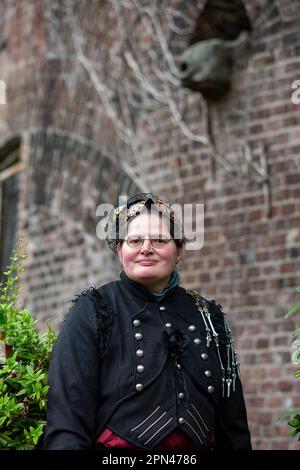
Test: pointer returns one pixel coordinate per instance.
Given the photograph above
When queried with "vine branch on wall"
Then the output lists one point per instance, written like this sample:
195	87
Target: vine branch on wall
137	79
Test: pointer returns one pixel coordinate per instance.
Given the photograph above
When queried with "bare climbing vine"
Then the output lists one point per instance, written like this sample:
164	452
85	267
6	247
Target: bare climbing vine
138	75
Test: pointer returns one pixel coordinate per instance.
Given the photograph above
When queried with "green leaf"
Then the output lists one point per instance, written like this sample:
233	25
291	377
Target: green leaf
295	422
288	413
292	310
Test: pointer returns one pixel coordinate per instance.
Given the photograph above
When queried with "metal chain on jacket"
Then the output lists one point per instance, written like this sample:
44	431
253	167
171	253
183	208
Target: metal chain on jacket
231	371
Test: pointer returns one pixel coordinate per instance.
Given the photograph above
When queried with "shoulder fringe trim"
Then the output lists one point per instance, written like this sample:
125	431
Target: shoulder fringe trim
104	316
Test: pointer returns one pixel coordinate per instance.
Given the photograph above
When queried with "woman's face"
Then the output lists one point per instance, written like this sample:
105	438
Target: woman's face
148	265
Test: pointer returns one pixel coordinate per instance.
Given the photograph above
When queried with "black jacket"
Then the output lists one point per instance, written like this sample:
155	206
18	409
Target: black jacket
129	362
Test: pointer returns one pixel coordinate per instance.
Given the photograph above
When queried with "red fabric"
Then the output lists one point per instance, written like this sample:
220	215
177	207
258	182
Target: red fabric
177	439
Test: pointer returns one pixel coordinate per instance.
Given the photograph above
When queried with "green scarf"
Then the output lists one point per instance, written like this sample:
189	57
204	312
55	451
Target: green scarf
174	281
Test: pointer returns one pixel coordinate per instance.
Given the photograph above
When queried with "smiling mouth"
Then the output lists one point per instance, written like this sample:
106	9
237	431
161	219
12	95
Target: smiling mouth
147	263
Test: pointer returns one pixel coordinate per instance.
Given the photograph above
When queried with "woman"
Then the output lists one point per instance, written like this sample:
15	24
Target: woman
141	362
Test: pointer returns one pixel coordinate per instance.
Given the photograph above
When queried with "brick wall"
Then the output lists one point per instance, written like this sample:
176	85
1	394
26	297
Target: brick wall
74	159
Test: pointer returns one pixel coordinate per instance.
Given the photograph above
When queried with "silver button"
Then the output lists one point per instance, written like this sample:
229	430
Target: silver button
138	336
140	368
139	387
208	373
181	395
139	353
181	420
178	366
136	322
204	356
192	328
168	325
162	307
197	340
210	389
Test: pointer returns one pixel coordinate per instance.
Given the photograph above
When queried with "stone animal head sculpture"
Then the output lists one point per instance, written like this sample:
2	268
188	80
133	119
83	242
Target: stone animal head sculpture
206	66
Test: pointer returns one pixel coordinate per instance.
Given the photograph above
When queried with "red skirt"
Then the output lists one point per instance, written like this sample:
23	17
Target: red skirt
177	439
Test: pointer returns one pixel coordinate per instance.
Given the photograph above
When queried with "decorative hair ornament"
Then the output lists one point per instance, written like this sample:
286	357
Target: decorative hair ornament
119	217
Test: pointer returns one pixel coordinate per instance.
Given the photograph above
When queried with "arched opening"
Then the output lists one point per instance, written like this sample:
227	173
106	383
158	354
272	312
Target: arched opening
223	19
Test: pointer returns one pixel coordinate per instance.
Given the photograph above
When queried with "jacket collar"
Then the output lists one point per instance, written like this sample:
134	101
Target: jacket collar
140	291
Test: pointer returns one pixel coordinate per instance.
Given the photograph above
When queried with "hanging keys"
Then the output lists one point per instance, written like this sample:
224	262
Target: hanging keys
208	339
231	372
228	382
233	381
223	382
238	369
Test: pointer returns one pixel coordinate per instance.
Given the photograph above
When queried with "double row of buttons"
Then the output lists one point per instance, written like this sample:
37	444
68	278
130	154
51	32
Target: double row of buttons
140	353
204	356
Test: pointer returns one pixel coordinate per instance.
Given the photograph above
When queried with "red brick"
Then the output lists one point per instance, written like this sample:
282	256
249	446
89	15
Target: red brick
262	343
273	402
255	215
285	385
287	267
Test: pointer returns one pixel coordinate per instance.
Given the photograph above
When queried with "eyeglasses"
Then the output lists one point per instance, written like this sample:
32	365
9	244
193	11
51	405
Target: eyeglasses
138	241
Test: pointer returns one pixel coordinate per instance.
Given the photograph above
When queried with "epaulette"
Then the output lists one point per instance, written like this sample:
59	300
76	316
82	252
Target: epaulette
104	315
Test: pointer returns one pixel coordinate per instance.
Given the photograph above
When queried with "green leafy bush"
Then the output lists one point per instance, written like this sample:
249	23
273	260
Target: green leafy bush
24	360
294	414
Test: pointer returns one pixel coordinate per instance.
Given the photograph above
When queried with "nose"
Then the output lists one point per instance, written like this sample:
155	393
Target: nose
146	246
